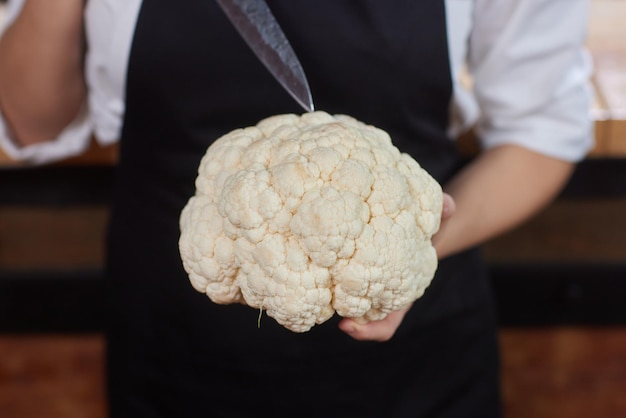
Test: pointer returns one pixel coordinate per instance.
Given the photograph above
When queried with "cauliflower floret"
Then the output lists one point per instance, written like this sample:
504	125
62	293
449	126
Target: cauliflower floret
308	216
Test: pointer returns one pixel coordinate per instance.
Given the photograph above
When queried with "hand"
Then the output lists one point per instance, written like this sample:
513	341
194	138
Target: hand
379	331
448	207
385	329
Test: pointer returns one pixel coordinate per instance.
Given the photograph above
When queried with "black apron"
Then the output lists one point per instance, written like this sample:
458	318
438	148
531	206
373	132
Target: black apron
172	352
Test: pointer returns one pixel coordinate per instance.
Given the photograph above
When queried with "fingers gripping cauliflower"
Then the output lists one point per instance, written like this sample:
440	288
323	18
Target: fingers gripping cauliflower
305	216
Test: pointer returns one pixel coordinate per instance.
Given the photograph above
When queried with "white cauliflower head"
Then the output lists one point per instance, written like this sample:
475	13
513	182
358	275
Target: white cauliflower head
305	216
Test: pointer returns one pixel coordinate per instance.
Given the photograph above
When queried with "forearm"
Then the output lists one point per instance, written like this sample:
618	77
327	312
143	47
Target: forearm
496	192
41	69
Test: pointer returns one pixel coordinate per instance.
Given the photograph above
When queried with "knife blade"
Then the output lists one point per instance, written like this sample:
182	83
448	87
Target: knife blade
257	25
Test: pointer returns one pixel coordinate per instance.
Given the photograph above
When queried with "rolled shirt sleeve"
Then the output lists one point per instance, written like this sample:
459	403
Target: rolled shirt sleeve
530	74
73	140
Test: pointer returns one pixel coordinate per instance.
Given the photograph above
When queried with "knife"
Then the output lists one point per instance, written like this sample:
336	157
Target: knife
257	25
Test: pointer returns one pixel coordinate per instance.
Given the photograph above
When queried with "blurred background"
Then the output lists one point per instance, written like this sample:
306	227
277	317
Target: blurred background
559	280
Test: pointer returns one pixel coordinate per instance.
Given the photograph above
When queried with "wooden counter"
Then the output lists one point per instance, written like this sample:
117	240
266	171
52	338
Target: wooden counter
607	43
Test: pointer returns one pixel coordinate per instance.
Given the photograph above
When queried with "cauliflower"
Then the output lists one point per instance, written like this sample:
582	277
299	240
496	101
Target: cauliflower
305	216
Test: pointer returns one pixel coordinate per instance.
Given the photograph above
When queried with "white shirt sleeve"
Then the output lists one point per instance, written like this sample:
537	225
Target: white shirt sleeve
73	140
531	75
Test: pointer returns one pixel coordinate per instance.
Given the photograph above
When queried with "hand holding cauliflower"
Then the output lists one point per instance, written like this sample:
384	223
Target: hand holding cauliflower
305	216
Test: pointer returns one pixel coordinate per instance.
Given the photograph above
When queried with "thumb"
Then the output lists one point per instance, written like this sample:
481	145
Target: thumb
449	206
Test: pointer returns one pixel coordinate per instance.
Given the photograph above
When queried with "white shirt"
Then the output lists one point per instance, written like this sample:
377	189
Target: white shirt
529	70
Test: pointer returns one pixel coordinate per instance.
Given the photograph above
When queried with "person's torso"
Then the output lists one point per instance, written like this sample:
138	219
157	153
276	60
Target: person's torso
110	26
191	78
